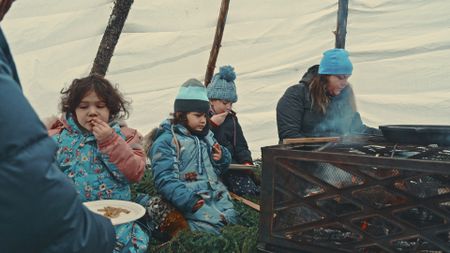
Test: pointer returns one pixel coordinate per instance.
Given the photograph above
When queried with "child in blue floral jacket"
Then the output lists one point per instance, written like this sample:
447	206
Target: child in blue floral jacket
187	163
101	157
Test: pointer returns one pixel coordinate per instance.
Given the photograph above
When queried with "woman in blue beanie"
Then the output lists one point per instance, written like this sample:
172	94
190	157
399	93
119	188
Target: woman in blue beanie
322	103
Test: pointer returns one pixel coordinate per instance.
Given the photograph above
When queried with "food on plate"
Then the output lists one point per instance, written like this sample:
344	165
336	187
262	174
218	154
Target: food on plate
113	212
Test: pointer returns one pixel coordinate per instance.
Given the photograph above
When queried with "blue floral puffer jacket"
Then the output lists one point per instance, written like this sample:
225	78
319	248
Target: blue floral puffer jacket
185	173
96	177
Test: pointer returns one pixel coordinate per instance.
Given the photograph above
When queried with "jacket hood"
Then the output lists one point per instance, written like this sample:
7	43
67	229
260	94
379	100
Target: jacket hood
150	137
310	74
55	125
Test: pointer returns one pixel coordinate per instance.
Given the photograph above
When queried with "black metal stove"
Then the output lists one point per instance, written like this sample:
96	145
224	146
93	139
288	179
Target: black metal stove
355	195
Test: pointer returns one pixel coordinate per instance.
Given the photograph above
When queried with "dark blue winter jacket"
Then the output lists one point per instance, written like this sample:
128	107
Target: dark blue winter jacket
230	135
40	210
297	118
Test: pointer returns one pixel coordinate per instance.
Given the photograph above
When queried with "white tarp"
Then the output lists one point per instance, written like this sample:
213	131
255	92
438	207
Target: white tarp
400	50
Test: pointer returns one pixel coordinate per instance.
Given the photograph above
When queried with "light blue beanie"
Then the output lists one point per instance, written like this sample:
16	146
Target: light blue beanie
335	62
222	85
191	97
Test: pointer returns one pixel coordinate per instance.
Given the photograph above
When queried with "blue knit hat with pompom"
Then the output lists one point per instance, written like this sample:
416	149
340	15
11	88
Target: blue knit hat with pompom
222	85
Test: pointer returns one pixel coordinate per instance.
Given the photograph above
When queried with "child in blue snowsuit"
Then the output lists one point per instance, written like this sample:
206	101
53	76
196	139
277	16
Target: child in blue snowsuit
187	163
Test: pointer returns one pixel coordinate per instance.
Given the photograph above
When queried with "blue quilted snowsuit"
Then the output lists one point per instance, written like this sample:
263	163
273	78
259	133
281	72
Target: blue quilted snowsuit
184	172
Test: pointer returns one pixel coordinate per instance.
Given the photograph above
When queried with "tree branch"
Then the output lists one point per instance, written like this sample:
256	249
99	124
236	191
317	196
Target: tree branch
111	36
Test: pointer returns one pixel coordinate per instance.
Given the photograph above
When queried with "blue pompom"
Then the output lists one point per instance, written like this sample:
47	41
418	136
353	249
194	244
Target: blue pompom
227	73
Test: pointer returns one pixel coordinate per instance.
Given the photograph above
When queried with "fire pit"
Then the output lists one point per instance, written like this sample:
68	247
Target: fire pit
355	195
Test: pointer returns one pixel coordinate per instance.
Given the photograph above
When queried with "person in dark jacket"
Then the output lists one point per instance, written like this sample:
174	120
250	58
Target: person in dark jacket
40	209
323	103
228	132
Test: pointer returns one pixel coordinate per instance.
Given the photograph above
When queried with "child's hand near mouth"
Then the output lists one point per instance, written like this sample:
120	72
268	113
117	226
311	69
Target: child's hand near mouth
100	129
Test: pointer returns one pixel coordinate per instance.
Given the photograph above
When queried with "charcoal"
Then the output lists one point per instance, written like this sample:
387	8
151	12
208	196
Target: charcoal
415	245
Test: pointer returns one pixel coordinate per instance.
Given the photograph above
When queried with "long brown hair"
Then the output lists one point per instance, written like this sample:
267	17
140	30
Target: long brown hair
319	97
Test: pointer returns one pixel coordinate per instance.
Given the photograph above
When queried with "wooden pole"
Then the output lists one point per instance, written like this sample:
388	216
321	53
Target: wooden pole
245	201
111	36
310	140
341	31
217	41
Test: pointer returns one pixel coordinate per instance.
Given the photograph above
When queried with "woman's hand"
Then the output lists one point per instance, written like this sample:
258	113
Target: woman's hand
101	129
218	119
217	152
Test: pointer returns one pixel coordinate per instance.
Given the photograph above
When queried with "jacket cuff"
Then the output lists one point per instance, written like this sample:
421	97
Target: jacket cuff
107	141
192	203
213	124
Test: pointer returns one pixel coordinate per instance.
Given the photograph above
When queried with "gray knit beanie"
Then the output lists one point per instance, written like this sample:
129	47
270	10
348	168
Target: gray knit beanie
222	85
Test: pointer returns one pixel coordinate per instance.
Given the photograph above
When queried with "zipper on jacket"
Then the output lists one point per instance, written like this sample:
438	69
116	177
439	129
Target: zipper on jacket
199	160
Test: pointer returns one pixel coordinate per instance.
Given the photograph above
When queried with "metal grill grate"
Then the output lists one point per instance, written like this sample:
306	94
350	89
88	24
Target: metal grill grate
355	197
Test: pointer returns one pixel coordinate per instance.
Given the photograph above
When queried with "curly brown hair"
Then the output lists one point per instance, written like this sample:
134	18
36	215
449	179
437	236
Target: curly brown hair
72	96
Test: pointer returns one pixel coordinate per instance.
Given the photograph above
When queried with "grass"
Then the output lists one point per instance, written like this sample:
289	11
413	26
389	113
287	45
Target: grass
239	238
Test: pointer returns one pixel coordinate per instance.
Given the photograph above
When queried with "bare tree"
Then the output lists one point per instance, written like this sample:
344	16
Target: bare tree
217	41
341	30
111	36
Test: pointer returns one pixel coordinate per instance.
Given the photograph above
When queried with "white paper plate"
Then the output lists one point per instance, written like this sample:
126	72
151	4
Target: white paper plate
136	210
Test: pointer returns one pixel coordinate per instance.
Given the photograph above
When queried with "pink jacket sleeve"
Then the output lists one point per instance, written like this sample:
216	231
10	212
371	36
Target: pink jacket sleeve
128	155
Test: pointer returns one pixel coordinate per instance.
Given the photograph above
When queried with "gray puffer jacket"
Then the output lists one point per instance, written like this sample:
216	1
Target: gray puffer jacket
296	117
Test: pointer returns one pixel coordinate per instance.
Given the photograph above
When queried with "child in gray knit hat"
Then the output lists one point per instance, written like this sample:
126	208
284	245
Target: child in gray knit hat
228	132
